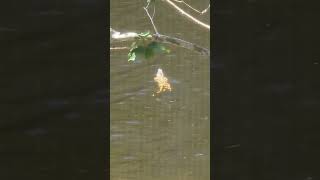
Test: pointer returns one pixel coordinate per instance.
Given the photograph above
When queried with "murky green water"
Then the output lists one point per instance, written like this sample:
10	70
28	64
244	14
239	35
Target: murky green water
164	137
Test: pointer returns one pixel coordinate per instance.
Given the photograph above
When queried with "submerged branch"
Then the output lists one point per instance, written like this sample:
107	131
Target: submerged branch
116	36
188	16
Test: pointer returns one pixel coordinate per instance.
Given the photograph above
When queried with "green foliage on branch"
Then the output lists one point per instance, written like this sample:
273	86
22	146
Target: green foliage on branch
144	47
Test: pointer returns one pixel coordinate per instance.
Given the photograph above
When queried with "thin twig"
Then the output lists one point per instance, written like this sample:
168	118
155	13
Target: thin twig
148	4
187	15
154	11
202	12
154	27
205	10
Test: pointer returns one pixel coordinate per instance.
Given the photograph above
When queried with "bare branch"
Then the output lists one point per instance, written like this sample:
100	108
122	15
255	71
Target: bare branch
200	12
205	10
131	36
187	15
117	36
154	27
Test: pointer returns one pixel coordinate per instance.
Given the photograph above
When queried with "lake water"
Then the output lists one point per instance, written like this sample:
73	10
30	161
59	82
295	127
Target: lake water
167	136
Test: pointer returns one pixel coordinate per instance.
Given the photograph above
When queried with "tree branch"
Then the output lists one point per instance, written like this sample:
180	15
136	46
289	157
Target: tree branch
205	10
116	36
187	15
151	19
200	12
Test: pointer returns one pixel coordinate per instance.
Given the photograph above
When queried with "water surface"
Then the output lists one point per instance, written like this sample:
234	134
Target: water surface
164	137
